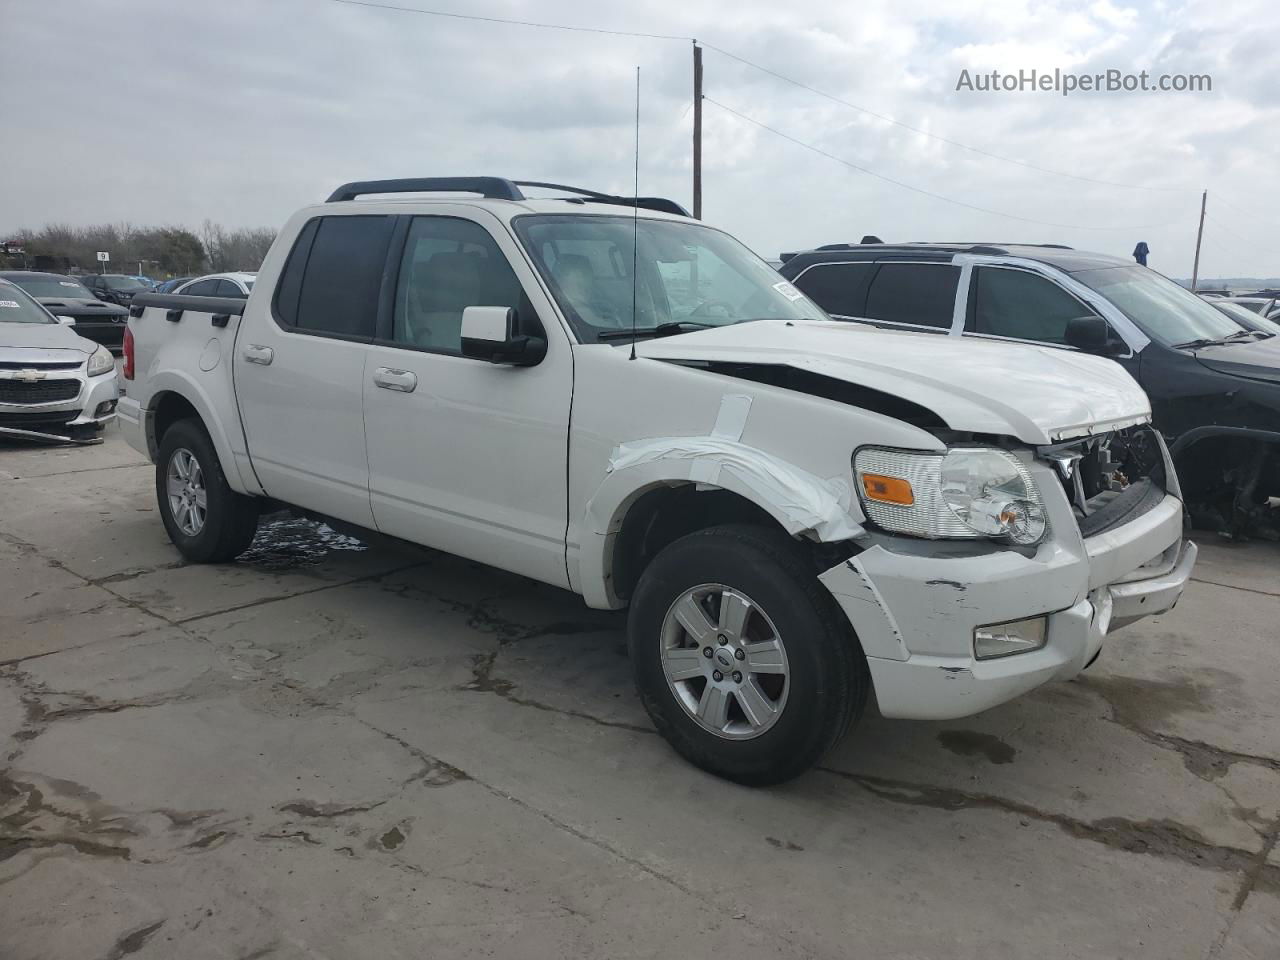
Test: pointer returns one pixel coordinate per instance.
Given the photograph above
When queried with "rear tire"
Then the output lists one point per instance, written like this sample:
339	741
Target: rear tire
206	520
792	677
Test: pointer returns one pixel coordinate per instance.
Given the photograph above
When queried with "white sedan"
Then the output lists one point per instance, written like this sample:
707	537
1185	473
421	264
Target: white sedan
54	384
235	284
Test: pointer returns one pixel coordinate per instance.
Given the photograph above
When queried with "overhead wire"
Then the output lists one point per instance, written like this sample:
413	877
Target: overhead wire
578	28
921	190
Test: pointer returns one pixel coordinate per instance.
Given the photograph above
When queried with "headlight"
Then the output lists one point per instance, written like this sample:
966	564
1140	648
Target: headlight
100	362
966	493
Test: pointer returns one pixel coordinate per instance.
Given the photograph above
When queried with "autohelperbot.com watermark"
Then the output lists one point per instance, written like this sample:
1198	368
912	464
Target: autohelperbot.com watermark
1066	83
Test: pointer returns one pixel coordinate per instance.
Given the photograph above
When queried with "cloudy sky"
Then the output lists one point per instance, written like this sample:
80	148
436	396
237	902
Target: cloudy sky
173	111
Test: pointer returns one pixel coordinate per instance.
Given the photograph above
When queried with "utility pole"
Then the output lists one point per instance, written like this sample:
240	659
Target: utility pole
697	131
1195	268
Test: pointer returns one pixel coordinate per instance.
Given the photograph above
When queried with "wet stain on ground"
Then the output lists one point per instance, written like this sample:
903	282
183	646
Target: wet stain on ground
207	841
391	839
783	844
285	543
971	743
133	942
482	678
1139	701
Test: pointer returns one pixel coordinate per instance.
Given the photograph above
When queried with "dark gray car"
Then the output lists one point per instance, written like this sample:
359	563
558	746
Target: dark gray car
66	296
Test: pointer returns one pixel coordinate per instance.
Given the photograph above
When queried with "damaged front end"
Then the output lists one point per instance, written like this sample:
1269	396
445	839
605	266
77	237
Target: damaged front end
952	627
1112	478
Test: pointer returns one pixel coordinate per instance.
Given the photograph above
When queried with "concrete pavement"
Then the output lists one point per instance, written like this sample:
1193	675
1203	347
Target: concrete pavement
344	749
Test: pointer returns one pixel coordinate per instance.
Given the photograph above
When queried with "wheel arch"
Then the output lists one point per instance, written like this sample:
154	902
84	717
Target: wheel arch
643	506
175	397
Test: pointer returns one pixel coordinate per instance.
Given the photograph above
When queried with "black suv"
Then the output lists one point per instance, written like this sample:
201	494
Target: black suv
66	296
1214	384
115	288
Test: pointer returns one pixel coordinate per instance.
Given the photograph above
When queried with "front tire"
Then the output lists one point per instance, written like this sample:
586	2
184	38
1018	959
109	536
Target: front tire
206	520
741	657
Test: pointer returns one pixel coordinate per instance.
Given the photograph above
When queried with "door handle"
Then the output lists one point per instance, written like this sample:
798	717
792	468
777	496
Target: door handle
254	353
389	378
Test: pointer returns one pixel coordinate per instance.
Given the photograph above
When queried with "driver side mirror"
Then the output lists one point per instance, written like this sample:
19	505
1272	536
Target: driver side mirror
489	333
1092	335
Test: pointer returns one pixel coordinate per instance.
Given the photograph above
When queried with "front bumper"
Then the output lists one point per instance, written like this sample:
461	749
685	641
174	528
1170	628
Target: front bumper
76	420
914	606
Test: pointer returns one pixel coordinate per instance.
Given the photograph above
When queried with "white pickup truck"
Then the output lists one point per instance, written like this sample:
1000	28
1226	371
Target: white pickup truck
603	394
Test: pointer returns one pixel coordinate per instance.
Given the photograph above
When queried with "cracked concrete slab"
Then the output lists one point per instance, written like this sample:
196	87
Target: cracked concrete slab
1206	673
385	751
46	608
816	859
1249	565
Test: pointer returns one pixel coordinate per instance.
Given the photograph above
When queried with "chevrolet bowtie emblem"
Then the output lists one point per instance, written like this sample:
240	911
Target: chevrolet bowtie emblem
30	376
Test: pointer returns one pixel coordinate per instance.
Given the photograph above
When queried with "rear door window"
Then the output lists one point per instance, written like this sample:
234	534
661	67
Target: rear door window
331	283
916	294
1020	304
838	288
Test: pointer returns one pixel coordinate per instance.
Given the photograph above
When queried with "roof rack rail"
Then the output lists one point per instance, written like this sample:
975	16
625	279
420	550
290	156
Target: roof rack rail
660	204
493	188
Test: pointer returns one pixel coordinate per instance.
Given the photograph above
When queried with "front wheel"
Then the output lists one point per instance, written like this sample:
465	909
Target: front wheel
741	657
206	520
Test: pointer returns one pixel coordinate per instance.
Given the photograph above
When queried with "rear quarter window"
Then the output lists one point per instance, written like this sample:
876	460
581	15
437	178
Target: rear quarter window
332	279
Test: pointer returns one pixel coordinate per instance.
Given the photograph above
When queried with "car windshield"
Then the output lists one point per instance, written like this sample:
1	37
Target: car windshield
1254	306
688	276
248	284
17	307
126	283
1247	317
1164	311
49	287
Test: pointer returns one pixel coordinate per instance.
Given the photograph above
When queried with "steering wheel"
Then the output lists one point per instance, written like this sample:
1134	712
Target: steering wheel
705	308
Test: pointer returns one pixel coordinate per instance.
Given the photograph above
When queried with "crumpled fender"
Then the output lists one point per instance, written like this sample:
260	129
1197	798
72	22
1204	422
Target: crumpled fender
802	503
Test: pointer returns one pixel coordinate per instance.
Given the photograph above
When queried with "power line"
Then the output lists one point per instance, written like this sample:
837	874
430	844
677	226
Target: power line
1252	245
763	69
1248	216
921	190
926	133
510	22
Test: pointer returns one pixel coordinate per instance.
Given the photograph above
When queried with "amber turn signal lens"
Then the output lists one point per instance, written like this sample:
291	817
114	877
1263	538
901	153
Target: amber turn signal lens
887	489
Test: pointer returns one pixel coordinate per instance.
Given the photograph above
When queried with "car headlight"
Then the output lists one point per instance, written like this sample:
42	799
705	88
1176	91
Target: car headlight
100	362
966	493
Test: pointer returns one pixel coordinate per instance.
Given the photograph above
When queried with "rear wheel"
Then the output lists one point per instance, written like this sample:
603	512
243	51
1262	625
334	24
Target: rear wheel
206	520
741	657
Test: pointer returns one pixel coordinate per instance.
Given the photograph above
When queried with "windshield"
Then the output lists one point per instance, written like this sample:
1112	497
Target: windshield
1163	310
126	283
1254	306
687	274
248	284
53	287
17	307
1247	317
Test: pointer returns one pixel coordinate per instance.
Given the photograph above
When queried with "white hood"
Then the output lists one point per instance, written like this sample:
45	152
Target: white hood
1037	394
43	336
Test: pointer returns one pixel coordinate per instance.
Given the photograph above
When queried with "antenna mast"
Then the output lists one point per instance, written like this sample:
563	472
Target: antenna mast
635	223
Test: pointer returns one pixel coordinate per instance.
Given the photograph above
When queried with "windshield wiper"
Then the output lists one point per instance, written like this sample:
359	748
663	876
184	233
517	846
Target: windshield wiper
661	330
1208	341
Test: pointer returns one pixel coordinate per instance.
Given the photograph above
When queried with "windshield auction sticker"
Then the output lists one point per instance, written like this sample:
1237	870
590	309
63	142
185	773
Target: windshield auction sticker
9	303
788	291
